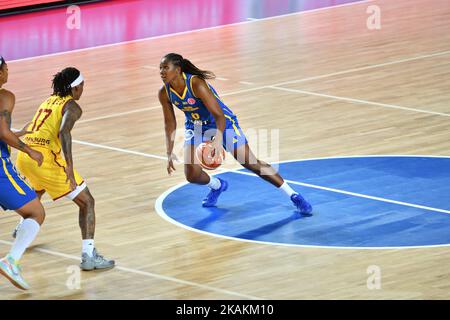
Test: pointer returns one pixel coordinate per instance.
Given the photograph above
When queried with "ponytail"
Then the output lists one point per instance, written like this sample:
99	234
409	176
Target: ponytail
188	67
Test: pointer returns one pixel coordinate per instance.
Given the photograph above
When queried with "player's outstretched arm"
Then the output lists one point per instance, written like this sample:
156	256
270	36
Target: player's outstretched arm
23	131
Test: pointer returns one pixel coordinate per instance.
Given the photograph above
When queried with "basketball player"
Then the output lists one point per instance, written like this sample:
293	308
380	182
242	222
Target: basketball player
15	193
186	88
51	133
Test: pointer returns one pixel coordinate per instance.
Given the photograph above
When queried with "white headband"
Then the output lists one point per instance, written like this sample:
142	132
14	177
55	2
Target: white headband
1	61
77	81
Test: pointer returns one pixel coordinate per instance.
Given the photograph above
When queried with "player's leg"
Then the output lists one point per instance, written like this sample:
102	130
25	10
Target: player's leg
16	229
51	178
244	155
33	215
195	174
28	168
193	171
86	217
16	194
90	259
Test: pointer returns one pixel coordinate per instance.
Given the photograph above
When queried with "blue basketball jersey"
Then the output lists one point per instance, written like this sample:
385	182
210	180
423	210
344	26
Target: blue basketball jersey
193	107
14	190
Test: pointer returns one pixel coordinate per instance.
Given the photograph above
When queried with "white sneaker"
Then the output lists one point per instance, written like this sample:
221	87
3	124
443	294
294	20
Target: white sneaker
95	262
11	270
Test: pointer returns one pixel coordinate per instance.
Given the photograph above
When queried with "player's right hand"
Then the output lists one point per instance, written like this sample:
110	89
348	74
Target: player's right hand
36	156
216	151
24	130
170	166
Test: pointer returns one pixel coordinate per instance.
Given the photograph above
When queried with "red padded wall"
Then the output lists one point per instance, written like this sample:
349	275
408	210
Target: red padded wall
7	4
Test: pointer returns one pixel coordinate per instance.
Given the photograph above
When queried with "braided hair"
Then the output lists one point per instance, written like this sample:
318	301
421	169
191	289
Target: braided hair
188	67
62	80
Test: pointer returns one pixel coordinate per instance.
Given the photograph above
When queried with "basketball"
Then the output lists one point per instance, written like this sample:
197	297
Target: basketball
204	156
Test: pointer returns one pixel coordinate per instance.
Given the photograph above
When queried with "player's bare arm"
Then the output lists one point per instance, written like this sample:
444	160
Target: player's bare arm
23	131
72	112
170	125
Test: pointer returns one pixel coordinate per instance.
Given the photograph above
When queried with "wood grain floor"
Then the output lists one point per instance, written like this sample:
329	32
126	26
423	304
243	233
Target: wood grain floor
329	84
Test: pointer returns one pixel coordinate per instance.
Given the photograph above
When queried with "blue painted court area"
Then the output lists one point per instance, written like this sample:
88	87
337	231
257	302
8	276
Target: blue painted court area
411	208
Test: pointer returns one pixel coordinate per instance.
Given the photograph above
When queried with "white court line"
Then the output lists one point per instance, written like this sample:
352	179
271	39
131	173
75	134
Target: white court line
359	101
246	83
113	115
276	85
149	274
339	73
221	79
159	209
137	153
430	55
359	195
193	31
289	181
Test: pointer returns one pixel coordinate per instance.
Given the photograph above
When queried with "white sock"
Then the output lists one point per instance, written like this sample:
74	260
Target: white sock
88	247
25	235
18	225
287	189
214	183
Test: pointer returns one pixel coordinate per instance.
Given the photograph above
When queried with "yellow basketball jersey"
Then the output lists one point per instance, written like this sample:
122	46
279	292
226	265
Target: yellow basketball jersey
46	124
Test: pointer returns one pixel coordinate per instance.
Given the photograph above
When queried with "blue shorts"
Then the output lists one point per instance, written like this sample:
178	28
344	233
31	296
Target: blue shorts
14	190
233	137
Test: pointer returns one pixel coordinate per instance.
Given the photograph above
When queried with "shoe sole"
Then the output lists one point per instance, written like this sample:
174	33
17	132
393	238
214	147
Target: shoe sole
14	282
309	211
213	205
94	268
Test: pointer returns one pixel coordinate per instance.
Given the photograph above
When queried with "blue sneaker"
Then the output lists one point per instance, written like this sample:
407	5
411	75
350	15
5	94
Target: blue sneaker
302	205
213	195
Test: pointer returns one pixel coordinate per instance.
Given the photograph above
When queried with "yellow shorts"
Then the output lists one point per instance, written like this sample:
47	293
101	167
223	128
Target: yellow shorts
50	176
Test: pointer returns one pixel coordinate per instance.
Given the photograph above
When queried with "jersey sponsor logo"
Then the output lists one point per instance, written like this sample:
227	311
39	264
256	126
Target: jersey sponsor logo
38	141
189	109
191	101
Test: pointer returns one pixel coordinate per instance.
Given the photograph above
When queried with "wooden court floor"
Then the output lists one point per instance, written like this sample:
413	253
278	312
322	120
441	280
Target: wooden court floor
333	88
